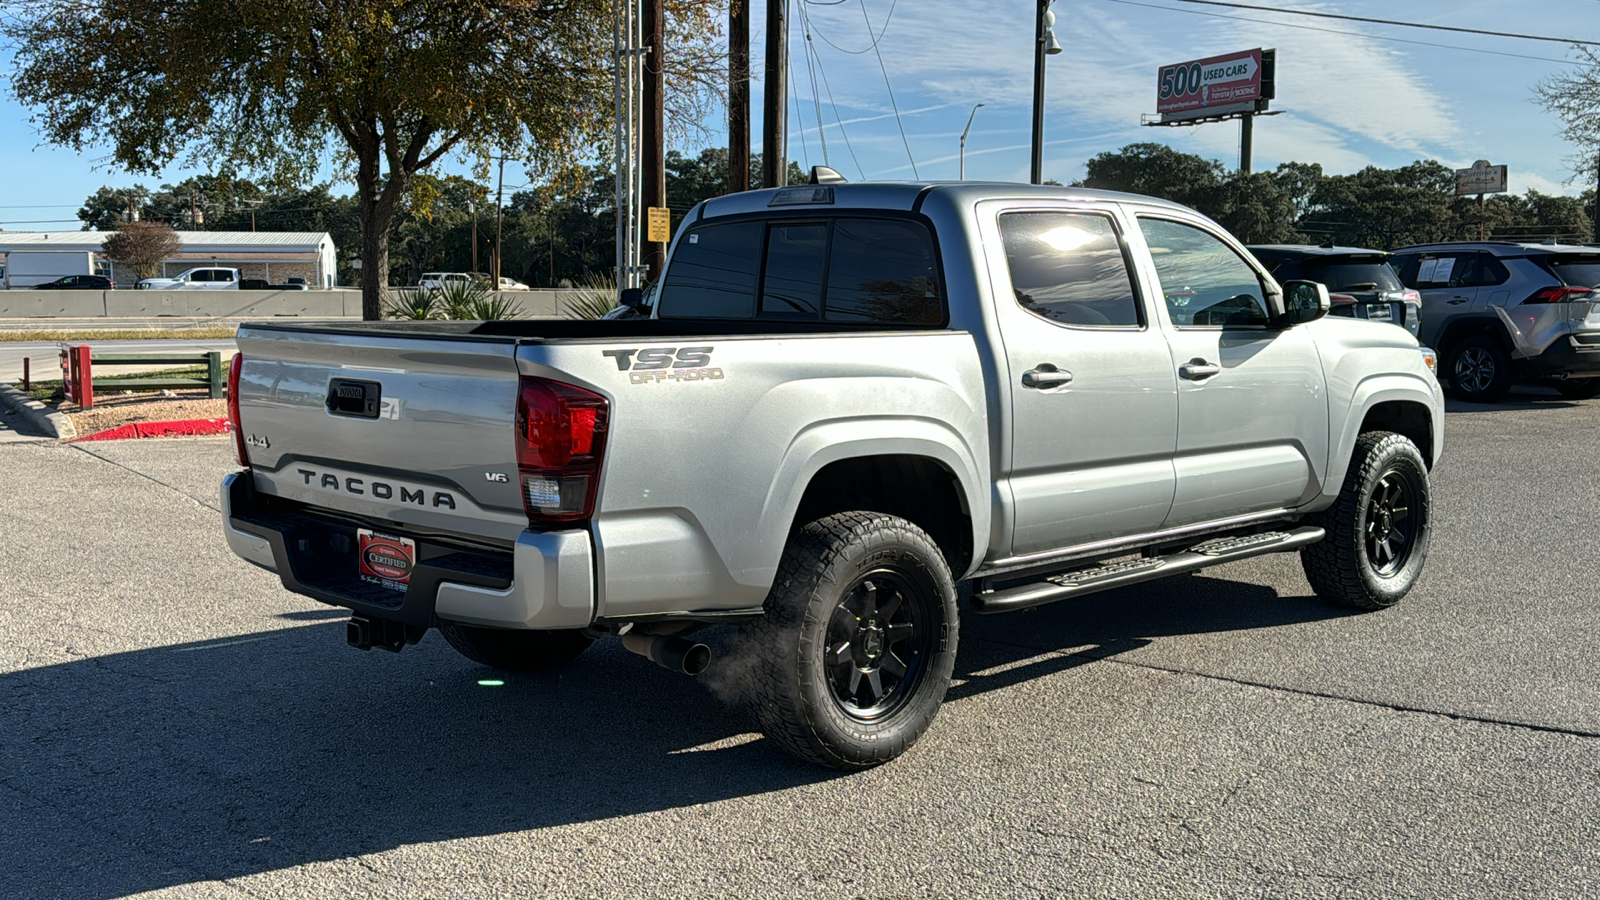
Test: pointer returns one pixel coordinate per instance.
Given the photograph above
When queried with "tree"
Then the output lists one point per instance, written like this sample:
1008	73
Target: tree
277	87
143	246
107	208
1575	99
1158	171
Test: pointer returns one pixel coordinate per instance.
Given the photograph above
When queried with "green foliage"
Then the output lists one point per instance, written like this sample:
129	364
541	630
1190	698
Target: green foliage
592	301
418	305
384	87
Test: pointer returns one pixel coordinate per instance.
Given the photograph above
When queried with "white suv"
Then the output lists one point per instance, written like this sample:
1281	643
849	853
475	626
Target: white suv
436	280
212	279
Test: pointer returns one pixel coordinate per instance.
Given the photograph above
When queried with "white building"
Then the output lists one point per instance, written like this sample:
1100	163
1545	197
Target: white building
270	256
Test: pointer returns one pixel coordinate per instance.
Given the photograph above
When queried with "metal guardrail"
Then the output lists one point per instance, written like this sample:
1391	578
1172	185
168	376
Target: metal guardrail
78	363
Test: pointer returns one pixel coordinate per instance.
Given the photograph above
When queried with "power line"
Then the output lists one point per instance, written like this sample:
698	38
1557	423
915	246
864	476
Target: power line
892	104
794	91
816	101
1362	34
1327	15
875	40
822	70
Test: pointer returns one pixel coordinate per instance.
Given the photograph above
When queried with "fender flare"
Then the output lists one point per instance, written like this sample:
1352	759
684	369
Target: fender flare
830	441
1369	392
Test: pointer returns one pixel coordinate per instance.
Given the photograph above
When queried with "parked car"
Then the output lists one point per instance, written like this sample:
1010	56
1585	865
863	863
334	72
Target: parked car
296	283
1500	312
436	280
207	279
511	284
1045	392
1359	280
78	283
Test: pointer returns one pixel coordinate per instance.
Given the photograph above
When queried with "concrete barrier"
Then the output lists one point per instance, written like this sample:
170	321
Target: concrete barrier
24	304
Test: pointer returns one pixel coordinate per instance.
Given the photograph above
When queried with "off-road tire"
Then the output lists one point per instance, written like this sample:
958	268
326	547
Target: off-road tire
513	650
1341	567
1479	370
832	569
1579	388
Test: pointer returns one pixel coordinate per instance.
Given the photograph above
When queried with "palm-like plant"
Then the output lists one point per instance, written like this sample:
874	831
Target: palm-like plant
417	305
592	301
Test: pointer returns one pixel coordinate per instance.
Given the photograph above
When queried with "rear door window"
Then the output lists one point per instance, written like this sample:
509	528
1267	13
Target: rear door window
1069	268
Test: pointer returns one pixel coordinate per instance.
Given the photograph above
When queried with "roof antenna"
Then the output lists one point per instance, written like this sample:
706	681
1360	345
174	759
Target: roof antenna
1327	243
825	175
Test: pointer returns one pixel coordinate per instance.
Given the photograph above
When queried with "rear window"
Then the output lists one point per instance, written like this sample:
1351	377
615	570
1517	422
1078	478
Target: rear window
843	269
1577	271
1340	276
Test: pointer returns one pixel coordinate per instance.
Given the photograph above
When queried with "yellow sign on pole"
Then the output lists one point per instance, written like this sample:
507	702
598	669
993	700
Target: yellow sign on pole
660	225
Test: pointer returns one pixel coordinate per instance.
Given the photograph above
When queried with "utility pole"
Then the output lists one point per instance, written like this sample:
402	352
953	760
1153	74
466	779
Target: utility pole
472	207
738	96
1040	48
774	114
1246	140
626	81
1597	197
653	254
499	195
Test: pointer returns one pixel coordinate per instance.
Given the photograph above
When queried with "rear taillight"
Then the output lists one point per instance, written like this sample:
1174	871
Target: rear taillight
233	409
1341	299
1410	296
561	439
1559	294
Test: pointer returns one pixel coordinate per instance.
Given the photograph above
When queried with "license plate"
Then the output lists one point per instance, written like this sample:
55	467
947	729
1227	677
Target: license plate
385	559
1378	311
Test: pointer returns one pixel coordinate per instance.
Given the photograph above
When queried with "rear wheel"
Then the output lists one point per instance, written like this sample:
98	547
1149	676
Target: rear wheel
858	642
1579	388
1480	370
516	651
1379	528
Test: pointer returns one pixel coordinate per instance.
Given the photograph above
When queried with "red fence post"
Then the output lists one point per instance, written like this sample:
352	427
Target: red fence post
66	372
80	378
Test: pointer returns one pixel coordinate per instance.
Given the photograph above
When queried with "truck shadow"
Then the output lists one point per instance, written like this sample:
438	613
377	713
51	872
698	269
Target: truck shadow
182	764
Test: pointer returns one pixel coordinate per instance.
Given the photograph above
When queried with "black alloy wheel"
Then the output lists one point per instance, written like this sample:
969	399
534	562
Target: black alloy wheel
878	644
1389	530
1480	370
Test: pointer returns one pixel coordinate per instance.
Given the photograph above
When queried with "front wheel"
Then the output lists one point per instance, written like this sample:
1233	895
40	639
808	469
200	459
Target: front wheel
1579	388
858	642
1480	370
1378	529
516	651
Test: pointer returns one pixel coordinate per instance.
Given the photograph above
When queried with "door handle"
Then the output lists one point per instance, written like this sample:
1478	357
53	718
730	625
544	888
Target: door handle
1457	300
1045	376
1198	369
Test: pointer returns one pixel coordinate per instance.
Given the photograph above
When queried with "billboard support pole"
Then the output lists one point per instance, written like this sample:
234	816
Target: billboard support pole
1246	140
1037	169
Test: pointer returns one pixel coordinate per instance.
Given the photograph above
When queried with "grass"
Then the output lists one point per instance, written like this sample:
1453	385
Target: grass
52	392
147	334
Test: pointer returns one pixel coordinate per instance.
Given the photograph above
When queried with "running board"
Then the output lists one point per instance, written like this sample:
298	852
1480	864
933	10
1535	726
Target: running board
1121	574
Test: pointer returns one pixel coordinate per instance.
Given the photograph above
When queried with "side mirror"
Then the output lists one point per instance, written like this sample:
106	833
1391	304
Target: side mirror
632	298
1303	301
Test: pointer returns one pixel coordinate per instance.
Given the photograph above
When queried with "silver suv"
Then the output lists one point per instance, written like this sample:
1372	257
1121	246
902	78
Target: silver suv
1498	312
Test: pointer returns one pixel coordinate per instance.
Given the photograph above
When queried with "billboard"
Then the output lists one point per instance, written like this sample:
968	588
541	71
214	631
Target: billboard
1214	86
1481	178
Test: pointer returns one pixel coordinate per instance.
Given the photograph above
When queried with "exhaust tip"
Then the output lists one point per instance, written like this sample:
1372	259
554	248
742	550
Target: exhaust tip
696	659
681	655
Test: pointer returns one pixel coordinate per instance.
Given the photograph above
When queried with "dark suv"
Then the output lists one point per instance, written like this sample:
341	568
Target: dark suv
1360	282
77	283
1498	312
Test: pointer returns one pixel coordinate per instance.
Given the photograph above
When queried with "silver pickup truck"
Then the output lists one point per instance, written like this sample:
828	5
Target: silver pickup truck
844	401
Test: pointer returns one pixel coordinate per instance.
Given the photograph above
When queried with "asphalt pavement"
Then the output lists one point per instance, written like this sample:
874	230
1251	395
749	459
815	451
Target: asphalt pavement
173	722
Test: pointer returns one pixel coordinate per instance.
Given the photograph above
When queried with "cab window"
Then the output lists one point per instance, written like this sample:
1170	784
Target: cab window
1069	268
1203	281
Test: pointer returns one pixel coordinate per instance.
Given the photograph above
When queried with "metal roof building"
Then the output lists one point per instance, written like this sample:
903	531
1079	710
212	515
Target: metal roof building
310	254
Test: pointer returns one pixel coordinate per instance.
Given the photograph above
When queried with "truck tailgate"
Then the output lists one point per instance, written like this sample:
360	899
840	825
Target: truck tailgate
412	432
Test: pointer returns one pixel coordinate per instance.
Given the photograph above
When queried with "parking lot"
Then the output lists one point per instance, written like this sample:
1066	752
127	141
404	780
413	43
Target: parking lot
172	721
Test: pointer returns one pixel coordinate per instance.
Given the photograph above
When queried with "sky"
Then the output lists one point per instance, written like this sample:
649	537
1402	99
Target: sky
1350	94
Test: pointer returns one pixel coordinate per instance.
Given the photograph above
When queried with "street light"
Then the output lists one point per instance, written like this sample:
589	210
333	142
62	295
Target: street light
1044	44
963	176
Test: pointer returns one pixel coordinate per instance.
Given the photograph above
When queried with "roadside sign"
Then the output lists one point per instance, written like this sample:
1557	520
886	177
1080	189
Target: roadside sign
660	225
1216	85
1481	178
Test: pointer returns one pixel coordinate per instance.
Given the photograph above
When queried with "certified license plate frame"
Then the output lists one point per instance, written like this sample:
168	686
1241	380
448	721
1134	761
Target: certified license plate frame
1380	312
384	559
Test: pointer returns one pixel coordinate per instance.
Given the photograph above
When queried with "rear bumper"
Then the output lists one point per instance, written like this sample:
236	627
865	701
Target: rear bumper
1575	356
544	581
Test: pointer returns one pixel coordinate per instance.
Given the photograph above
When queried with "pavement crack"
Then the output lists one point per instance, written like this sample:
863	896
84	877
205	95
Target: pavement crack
176	490
1098	655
